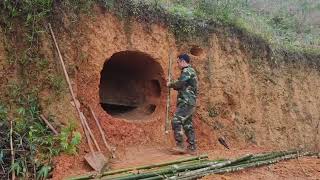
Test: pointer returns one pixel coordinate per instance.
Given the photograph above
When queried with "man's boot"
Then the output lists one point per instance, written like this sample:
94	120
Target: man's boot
179	149
192	149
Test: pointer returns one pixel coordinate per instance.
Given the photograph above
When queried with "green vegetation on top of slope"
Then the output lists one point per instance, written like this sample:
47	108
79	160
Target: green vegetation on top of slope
287	24
290	24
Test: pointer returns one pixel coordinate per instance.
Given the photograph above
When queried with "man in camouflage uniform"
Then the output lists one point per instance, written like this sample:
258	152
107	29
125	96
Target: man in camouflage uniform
186	86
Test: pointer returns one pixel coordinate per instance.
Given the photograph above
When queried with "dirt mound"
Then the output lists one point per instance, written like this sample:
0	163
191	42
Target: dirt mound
121	71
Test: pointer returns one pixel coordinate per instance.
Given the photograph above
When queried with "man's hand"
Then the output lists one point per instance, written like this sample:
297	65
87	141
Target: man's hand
168	84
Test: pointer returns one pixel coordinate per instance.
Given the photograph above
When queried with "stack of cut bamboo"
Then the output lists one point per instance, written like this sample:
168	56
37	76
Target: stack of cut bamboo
195	167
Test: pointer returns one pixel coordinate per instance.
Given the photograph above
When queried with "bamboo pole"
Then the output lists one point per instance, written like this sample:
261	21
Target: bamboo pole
275	152
102	133
229	166
81	116
90	176
271	155
124	173
67	77
197	168
201	157
241	166
158	177
216	166
167	125
13	175
168	171
115	176
55	132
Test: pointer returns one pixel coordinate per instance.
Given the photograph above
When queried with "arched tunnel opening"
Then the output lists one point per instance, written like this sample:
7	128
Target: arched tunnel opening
130	85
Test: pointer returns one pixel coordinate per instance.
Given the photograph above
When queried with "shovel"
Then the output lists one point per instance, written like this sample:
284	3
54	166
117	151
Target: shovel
95	159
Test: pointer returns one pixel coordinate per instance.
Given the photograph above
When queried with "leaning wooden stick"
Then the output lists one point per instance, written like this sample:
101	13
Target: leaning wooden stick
55	132
90	132
95	159
102	133
167	126
67	77
13	176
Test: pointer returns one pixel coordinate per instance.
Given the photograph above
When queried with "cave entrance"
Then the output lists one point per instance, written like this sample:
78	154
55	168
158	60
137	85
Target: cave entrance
130	85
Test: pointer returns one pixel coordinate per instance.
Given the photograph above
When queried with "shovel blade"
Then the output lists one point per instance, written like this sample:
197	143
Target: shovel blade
96	160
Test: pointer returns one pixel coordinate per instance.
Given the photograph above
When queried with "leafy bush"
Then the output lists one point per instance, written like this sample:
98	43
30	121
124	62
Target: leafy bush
34	143
69	139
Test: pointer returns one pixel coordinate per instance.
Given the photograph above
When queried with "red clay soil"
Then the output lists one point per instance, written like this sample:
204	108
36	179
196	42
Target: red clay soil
135	142
128	156
248	109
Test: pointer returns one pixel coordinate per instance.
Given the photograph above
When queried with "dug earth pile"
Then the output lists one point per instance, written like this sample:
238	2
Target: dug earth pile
120	69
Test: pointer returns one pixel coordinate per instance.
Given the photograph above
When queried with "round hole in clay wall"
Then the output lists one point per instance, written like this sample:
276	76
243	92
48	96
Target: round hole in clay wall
130	85
196	51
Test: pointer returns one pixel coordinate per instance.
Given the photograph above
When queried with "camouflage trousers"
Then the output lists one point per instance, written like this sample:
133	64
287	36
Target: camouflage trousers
183	120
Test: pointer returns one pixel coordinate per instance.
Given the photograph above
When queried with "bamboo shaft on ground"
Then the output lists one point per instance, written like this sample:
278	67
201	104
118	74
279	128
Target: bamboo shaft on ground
222	167
157	165
13	175
217	165
270	156
240	166
90	176
195	169
170	170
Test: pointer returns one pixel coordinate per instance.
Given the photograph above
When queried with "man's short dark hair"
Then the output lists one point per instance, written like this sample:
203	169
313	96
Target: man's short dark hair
184	57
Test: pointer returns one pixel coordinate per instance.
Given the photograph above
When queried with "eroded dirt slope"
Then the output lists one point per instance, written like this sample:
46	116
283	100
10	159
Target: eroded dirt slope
248	99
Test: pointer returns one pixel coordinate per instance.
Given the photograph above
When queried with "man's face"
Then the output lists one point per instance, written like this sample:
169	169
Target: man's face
181	63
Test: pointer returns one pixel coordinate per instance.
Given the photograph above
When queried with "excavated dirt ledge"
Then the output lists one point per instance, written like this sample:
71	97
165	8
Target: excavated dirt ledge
245	94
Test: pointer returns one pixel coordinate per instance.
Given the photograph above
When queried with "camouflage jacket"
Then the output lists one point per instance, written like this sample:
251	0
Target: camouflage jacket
186	86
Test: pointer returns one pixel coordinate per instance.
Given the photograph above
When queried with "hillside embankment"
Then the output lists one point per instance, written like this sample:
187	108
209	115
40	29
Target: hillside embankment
247	94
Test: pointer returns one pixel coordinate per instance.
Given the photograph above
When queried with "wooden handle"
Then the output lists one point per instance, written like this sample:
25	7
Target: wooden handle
13	175
89	139
49	125
69	85
90	132
167	125
101	132
66	75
